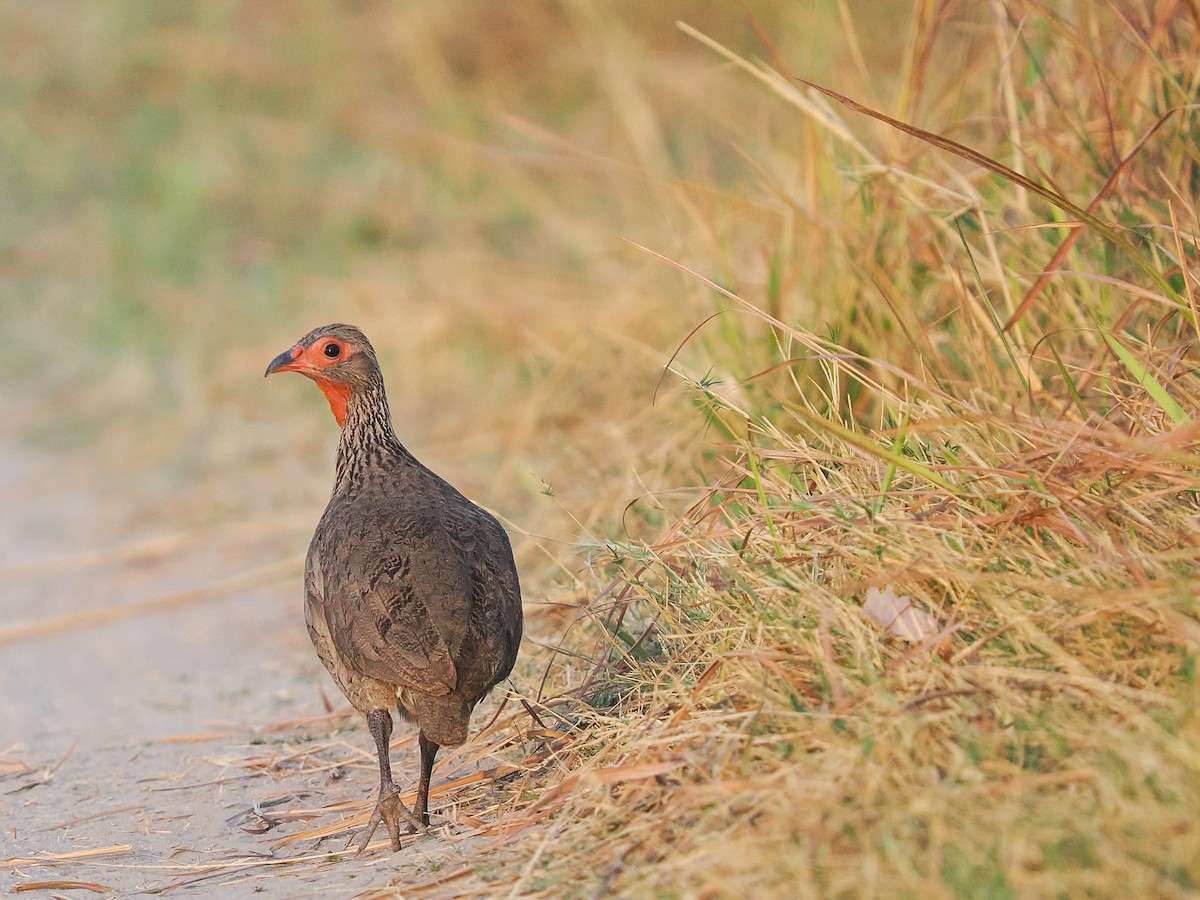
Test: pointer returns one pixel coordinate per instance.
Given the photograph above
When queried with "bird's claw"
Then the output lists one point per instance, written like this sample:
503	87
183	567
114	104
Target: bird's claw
389	810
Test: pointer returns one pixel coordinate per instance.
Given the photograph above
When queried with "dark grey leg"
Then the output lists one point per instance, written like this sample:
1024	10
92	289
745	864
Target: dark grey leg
428	751
388	809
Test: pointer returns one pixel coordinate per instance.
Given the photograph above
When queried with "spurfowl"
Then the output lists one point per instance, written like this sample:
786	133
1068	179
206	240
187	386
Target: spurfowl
411	592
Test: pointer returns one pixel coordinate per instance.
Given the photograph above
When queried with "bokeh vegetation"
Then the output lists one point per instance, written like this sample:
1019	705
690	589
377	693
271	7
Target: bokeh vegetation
533	209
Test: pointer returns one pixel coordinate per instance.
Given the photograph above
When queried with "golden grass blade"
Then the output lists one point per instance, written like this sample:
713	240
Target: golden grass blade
622	774
93	816
201	738
61	886
72	856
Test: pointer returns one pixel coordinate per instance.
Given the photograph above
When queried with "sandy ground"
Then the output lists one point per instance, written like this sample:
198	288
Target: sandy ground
160	706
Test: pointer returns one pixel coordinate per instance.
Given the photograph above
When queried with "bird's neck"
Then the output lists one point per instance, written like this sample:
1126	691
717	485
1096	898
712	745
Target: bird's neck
368	442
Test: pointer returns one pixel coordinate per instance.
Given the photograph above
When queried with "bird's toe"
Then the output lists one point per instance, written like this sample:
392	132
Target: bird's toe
390	810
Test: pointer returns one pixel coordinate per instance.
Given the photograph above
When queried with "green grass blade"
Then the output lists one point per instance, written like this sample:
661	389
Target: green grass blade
1070	382
1147	381
874	449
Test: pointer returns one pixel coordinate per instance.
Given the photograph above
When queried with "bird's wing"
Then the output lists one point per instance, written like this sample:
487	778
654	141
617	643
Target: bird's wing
496	617
397	598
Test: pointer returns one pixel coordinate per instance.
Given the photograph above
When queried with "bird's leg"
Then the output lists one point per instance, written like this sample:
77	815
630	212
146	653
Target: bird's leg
428	751
389	809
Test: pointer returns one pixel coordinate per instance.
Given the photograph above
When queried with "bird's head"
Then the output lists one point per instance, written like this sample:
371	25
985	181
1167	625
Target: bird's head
339	358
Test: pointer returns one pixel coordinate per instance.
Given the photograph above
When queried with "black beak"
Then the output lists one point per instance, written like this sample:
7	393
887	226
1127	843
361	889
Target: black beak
282	362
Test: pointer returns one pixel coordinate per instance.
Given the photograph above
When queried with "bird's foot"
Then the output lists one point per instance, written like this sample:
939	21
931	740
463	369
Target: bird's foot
389	810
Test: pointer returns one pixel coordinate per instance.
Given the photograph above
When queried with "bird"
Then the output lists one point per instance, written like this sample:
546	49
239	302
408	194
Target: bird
411	593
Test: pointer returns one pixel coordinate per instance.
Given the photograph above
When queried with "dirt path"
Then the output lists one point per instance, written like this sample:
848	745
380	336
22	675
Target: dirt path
160	708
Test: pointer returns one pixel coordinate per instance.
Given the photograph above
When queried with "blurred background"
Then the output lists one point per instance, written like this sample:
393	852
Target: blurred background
187	188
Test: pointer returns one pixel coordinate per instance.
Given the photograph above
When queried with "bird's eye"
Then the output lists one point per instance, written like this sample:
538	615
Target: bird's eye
332	351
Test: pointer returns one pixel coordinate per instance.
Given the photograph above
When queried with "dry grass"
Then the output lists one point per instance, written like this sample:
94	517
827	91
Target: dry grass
955	357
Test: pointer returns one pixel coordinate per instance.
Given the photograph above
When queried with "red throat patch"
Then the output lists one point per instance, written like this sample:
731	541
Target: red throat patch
338	396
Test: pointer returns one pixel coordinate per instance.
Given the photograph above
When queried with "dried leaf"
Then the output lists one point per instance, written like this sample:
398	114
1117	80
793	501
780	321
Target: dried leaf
898	615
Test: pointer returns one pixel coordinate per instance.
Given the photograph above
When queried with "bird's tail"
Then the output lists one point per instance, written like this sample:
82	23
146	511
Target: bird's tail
442	720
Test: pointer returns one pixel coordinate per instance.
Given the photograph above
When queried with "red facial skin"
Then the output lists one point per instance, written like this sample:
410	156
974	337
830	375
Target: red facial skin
312	362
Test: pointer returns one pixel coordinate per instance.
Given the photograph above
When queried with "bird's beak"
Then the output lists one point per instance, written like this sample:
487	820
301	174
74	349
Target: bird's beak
285	361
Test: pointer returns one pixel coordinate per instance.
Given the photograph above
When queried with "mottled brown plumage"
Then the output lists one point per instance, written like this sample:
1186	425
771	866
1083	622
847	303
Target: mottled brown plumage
411	593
